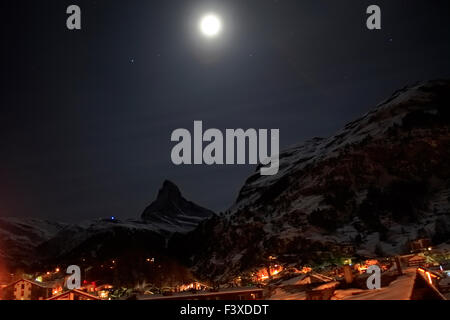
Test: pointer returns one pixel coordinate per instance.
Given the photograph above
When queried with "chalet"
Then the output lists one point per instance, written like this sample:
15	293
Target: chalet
267	272
420	244
104	290
347	248
194	286
323	292
344	248
24	289
416	261
74	295
310	278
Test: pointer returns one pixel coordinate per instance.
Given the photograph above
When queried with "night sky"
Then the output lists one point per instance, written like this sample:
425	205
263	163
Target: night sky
86	116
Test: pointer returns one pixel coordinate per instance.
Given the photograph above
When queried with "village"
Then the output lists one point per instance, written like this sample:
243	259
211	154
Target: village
422	274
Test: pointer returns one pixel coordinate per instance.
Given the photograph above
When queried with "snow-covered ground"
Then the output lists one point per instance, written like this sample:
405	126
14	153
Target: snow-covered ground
280	294
399	289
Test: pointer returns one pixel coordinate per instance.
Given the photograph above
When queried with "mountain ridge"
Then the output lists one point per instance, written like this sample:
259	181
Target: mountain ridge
381	181
27	241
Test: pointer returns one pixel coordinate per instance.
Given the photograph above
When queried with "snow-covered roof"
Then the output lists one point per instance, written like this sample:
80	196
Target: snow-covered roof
75	291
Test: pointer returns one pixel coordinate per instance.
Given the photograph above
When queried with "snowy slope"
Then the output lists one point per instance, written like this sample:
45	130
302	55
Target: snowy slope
376	184
19	237
102	238
94	238
374	125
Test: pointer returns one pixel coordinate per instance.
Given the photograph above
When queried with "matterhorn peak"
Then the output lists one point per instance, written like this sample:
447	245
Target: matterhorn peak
171	205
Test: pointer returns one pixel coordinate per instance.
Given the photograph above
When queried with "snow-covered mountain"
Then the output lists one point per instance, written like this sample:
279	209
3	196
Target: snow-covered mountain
381	181
102	239
105	238
35	241
173	211
20	237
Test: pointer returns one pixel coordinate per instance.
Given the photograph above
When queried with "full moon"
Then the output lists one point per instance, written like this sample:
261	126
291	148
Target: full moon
210	25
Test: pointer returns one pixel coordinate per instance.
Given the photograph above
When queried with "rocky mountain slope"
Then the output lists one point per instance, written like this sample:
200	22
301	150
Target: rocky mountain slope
382	180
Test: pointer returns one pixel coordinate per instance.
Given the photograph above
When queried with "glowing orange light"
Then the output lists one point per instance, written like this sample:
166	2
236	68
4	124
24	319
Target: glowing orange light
264	274
306	270
56	290
429	277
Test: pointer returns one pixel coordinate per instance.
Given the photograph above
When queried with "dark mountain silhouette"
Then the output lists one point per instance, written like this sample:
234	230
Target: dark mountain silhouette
172	208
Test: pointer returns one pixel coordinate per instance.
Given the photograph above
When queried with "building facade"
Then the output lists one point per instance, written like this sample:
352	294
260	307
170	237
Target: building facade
24	289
